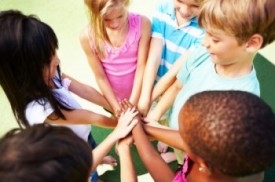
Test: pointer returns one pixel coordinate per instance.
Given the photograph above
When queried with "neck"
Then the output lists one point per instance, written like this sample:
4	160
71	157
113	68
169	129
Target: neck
238	69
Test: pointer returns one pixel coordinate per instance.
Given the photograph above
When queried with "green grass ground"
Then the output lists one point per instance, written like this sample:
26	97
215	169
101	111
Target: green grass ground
67	18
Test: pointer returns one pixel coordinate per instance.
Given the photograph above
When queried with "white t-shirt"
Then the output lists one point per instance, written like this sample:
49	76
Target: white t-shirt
38	111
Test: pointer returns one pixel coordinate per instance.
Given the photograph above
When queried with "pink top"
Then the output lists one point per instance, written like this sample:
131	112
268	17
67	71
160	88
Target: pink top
120	62
184	170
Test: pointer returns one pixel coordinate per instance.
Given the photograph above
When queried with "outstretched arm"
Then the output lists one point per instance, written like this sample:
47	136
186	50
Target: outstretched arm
82	116
150	72
123	128
166	101
87	92
156	166
127	169
141	61
171	136
169	78
101	78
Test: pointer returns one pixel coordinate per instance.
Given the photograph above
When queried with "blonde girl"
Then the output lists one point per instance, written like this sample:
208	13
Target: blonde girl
116	49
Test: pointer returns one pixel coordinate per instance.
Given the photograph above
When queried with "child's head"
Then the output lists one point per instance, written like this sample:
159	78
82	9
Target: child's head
231	131
27	48
111	14
241	19
44	153
187	9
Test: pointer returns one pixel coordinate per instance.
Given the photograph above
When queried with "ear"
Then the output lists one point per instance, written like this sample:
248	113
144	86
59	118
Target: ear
204	167
254	43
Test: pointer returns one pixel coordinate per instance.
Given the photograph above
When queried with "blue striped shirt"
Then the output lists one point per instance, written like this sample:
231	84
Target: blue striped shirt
176	39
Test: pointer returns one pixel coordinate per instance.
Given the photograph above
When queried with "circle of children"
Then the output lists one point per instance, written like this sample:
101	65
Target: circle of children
190	69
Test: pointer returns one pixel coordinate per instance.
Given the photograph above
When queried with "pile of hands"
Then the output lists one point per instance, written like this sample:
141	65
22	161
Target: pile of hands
129	117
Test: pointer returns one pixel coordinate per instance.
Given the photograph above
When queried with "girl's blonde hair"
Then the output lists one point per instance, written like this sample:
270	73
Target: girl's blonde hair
99	8
240	18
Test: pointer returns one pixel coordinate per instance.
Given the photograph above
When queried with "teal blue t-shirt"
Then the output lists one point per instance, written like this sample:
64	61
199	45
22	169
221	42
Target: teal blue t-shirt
198	74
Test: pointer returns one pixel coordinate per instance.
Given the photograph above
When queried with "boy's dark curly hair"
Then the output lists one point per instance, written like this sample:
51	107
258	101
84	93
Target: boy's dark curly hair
232	131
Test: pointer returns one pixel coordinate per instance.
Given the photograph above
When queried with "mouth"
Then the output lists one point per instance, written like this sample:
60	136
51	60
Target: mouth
185	16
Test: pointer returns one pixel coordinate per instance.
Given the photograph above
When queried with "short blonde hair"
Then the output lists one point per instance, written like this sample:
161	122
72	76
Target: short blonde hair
99	8
240	18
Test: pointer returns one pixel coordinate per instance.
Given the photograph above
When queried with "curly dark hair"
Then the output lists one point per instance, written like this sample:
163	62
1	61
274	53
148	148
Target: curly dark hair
44	153
233	131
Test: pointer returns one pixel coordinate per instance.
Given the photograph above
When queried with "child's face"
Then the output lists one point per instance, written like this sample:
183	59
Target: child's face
223	48
186	9
50	72
116	17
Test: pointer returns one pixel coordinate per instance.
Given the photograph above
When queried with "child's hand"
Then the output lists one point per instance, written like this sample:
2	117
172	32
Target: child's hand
126	122
118	112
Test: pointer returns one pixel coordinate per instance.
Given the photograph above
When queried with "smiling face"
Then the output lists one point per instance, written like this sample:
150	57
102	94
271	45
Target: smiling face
186	9
223	48
116	17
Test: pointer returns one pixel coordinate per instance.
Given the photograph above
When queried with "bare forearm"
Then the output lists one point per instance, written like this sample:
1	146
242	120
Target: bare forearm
87	92
82	116
150	72
127	169
171	136
102	149
169	78
136	91
150	157
166	101
162	85
108	93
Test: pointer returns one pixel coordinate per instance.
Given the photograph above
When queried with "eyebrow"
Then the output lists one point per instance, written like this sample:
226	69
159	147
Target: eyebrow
215	35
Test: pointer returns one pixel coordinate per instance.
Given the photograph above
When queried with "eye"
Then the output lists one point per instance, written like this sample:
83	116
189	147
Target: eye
195	6
215	40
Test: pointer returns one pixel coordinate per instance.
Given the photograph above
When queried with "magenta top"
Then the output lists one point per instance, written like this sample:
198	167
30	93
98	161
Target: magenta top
120	63
184	170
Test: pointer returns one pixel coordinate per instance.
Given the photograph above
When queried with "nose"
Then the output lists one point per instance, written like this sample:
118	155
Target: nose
114	24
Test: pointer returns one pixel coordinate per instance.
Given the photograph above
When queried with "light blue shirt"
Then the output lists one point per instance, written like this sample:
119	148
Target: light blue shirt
176	39
198	74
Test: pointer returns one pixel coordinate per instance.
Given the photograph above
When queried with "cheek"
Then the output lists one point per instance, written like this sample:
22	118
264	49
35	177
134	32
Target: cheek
53	71
195	11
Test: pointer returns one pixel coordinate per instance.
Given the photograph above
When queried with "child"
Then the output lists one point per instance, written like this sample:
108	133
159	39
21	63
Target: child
116	49
38	93
40	158
175	32
226	60
232	139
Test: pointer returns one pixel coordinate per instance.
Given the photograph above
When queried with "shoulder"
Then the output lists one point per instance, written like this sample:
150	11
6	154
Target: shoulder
37	111
84	34
86	40
196	58
145	22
